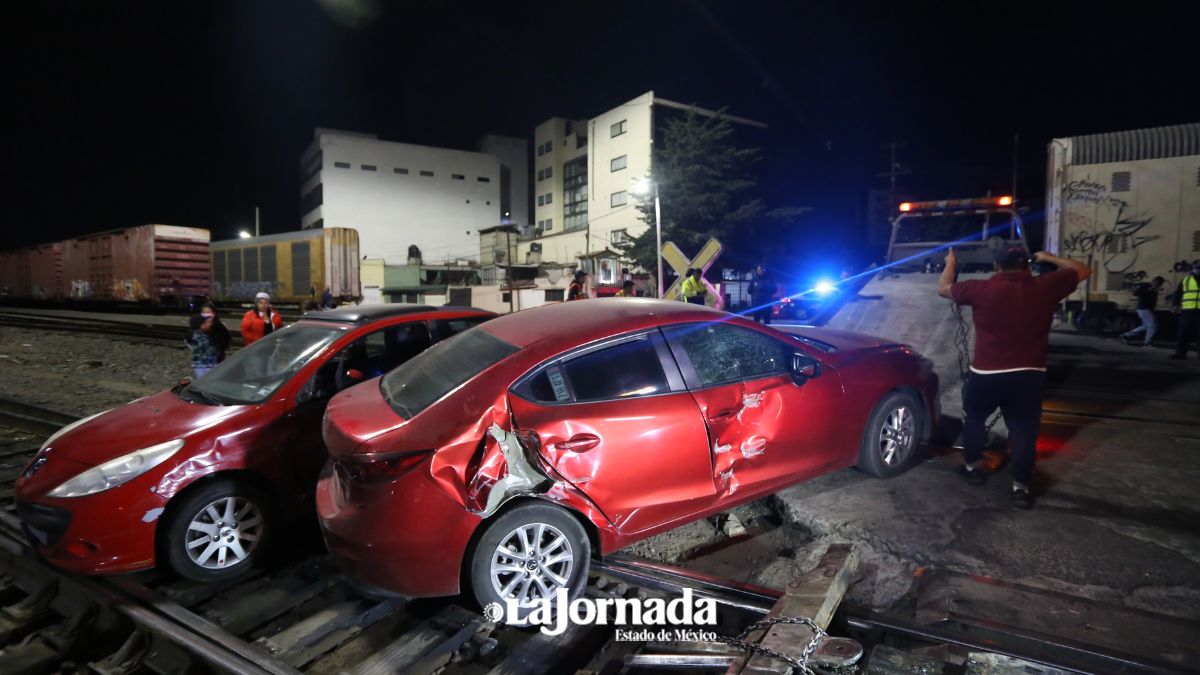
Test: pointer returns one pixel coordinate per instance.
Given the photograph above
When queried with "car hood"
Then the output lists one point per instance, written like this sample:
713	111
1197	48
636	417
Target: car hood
843	340
154	419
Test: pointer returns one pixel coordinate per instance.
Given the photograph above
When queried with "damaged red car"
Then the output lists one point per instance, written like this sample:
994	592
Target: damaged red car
505	458
205	476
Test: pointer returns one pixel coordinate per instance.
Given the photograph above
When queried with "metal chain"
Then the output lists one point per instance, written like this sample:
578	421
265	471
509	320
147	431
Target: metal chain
801	665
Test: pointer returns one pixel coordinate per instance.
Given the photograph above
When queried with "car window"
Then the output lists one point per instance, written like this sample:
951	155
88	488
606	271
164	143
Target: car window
624	370
451	327
432	374
723	352
252	374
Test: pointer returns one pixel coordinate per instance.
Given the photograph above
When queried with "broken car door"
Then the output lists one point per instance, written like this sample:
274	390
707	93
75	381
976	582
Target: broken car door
767	426
617	422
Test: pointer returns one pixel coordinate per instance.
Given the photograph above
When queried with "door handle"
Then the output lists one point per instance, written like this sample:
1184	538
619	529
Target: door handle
724	413
579	443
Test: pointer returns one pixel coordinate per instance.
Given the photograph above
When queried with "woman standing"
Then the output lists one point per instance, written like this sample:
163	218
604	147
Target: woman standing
260	321
219	334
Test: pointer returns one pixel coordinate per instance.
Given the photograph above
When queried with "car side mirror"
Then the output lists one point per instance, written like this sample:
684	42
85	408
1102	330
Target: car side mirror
804	368
355	375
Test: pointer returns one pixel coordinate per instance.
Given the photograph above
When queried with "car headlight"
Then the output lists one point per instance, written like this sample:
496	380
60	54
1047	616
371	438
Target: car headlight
117	471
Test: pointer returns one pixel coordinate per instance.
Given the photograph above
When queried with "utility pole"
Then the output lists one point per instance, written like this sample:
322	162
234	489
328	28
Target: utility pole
256	221
895	169
1016	152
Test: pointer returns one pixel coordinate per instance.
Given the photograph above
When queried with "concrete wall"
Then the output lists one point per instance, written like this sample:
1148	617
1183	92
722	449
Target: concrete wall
440	214
513	154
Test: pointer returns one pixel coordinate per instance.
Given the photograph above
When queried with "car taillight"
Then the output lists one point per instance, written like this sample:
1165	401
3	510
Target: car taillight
377	468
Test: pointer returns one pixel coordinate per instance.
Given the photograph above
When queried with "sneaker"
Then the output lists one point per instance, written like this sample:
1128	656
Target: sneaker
1127	340
972	476
1021	498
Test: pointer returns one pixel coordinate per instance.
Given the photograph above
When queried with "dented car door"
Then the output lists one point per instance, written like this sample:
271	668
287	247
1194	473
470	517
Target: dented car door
622	428
767	427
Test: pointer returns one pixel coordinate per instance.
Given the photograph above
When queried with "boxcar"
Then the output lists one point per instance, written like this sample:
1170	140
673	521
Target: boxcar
147	264
32	273
294	267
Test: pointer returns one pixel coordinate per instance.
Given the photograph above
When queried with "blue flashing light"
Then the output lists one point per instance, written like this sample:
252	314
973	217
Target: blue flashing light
824	287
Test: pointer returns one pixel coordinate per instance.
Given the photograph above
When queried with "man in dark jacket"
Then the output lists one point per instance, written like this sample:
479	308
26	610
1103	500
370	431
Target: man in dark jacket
762	295
1147	299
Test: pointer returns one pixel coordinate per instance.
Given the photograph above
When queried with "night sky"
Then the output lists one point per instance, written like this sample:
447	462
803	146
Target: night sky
194	113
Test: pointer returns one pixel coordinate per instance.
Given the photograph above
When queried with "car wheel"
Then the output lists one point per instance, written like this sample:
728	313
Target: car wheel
527	554
219	531
891	436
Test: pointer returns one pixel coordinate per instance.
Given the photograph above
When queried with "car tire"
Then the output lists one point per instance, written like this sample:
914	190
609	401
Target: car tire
494	574
198	541
891	436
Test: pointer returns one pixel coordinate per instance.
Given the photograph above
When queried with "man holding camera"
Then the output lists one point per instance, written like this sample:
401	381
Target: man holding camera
1012	312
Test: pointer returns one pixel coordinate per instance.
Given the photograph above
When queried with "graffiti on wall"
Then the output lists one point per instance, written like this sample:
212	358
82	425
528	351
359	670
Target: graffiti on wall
1109	230
244	290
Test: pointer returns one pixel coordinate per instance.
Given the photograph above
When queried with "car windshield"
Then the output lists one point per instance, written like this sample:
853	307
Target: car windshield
438	370
252	374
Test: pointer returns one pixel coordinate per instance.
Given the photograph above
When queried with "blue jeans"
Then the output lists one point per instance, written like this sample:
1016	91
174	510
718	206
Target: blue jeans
199	371
1149	325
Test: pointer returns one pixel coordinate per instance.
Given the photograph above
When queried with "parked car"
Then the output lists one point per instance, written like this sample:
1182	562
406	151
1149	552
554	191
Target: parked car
509	455
203	476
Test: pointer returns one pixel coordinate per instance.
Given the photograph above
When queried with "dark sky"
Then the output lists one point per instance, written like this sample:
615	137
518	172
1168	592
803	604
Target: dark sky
194	113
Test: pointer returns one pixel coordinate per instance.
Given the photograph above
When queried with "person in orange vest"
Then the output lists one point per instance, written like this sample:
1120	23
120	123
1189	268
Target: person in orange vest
260	321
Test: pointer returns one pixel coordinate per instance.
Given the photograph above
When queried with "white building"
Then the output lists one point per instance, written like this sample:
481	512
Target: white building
399	195
584	177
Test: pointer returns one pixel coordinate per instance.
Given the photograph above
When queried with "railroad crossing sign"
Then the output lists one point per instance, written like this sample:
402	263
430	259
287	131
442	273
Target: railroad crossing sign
680	263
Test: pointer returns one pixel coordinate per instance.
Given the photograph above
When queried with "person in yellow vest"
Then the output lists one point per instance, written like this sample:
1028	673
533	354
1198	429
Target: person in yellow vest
1187	305
626	290
693	287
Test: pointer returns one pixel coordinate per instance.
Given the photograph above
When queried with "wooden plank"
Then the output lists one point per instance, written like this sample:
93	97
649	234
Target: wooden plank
814	595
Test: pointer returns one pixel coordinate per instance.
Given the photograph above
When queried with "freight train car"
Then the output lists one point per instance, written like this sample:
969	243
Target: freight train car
147	264
294	267
1128	204
32	273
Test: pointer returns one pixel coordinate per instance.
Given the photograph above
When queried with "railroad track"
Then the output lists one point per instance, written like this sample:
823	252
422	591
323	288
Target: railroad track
304	616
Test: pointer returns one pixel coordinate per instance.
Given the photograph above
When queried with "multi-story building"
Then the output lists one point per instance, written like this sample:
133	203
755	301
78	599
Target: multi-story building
513	154
399	195
585	176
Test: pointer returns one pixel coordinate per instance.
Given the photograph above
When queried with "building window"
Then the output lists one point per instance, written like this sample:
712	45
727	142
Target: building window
457	176
484	179
342	165
549	172
428	174
541	200
618	236
617	163
549	197
618	198
546	225
401	171
554	295
541	150
540	175
368	167
1122	181
549	147
618	128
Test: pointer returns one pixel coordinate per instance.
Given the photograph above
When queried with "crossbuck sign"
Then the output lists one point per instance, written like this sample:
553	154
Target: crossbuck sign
680	263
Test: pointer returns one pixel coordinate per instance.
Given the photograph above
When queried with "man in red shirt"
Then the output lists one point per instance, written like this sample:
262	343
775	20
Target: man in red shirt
1012	312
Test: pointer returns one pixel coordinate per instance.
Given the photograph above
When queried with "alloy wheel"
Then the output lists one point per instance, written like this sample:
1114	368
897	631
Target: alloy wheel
532	562
224	533
897	435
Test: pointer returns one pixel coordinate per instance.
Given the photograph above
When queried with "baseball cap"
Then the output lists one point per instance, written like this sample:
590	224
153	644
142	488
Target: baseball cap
1010	256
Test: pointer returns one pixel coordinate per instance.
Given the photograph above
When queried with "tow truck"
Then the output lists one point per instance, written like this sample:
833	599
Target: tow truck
977	228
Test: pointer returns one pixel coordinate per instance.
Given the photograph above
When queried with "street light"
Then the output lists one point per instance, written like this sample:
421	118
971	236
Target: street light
244	234
643	187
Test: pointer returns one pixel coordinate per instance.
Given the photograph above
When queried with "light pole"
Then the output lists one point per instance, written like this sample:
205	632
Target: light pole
643	187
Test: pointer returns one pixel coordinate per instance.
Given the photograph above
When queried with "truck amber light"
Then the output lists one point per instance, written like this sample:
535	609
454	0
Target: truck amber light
1004	201
906	206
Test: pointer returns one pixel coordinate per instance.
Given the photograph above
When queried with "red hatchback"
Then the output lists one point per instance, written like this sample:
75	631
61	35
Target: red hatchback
507	456
203	476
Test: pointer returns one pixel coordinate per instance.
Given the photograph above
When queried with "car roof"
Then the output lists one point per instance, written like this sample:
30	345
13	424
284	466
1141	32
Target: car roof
367	313
582	321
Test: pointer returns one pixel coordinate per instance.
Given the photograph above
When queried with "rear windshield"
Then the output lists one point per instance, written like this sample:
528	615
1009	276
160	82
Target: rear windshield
438	370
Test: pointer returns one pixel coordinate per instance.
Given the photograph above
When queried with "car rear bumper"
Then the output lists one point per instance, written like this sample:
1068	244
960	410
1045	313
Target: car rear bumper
405	537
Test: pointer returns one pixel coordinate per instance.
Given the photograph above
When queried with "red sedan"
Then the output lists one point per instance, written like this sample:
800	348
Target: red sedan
203	476
511	454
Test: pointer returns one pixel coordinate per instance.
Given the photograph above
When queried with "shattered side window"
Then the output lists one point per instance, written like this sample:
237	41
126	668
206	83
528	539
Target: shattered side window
722	352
